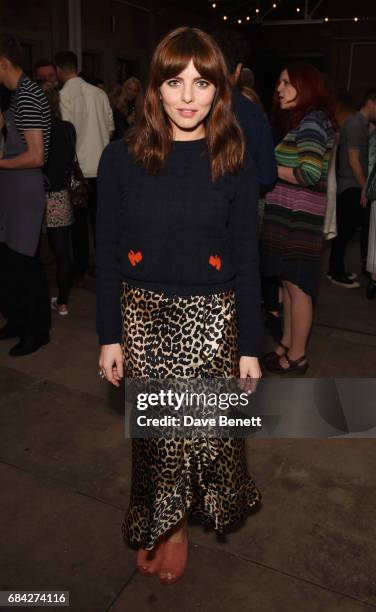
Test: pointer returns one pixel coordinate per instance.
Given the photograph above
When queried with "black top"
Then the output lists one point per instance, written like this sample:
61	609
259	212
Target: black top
61	155
177	233
31	110
4	98
121	124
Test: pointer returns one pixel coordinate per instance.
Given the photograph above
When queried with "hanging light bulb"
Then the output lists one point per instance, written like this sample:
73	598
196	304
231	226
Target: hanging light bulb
248	18
224	17
257	10
239	20
326	19
298	10
214	5
356	19
274	5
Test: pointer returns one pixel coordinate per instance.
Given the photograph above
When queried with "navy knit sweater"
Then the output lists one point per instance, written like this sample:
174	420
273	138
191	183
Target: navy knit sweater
177	233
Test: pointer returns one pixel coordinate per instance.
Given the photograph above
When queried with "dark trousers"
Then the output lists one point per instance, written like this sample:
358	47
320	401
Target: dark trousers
80	241
92	204
59	240
24	299
350	215
80	231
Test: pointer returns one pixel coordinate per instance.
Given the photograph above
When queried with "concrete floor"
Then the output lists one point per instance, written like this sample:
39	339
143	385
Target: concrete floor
65	474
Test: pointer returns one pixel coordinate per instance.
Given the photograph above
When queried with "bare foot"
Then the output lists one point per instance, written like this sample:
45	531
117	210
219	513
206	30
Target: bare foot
178	533
148	561
174	558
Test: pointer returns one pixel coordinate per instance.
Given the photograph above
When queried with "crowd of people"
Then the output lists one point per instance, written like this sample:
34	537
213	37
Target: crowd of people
50	125
200	210
76	118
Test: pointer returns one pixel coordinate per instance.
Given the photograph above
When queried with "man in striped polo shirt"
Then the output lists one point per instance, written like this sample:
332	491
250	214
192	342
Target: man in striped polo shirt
24	299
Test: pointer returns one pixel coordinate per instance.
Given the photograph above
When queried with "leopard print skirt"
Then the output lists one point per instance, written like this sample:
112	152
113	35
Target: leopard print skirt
192	337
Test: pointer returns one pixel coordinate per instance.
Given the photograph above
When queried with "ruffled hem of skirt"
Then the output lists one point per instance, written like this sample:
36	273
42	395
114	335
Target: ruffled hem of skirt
175	506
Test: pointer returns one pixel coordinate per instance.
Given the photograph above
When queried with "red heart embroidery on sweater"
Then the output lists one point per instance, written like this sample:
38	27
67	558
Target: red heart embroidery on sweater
215	261
134	258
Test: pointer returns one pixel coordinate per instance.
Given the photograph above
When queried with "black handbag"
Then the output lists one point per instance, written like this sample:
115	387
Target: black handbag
78	187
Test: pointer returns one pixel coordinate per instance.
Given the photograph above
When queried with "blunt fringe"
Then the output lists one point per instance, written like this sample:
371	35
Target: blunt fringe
150	141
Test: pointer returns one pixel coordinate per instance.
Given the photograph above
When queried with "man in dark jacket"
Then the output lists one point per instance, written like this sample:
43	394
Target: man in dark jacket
252	119
260	146
258	138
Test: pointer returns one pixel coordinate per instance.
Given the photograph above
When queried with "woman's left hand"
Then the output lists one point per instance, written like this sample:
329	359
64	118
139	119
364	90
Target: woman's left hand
249	366
250	373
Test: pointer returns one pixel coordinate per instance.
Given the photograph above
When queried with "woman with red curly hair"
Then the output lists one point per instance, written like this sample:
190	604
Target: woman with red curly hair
178	287
292	233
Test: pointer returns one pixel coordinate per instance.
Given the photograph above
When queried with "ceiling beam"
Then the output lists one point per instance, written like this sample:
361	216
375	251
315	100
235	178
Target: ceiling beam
306	9
284	22
134	5
317	6
267	12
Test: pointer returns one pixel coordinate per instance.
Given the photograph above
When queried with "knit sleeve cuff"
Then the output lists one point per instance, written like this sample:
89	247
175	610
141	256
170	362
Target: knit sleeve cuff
109	339
299	175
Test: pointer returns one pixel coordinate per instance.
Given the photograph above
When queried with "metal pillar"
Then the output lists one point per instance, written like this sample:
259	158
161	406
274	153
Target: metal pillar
75	29
306	9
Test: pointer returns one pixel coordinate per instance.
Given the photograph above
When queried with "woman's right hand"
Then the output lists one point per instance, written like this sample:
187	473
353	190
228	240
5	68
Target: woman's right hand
111	363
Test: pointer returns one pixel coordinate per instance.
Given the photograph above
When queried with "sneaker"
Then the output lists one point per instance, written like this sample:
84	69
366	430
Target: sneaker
350	275
61	309
344	281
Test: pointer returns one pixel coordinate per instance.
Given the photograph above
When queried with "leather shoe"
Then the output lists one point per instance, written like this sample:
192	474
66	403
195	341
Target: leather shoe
29	344
8	331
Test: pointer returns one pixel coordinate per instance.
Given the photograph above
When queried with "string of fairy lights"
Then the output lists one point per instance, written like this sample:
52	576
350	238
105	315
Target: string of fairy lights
257	14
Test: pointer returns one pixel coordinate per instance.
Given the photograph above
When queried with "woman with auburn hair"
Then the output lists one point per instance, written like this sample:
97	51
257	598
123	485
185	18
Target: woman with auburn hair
292	233
177	278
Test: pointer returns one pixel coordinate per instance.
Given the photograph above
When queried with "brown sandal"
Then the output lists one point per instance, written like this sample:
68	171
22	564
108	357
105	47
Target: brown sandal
273	356
298	366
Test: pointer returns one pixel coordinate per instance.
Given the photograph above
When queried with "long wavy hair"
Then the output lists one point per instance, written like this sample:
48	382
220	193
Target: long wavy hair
124	105
312	94
150	141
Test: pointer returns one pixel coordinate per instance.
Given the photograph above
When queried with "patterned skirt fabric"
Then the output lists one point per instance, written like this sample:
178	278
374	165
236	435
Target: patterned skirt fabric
59	211
184	337
292	235
371	255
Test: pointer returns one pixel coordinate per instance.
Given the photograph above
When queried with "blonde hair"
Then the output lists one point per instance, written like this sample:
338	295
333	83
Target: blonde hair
123	104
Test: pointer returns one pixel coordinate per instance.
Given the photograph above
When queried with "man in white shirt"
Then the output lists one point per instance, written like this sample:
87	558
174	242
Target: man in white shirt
88	108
